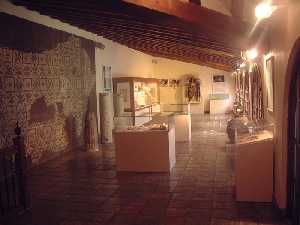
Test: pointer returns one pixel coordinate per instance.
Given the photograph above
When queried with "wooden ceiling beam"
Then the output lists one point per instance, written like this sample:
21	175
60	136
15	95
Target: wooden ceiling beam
219	28
190	60
99	15
175	51
144	31
146	35
206	18
169	43
181	53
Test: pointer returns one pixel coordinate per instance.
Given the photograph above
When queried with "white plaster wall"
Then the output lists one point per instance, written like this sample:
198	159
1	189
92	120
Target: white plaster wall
286	30
123	61
166	68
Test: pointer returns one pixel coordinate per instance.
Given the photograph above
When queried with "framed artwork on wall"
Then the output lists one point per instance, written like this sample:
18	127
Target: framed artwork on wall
218	84
270	83
218	78
163	82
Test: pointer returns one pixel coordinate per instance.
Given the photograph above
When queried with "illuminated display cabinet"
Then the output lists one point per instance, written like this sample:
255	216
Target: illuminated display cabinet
141	95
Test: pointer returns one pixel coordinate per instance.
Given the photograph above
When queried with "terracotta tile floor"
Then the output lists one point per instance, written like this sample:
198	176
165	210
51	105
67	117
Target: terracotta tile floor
83	188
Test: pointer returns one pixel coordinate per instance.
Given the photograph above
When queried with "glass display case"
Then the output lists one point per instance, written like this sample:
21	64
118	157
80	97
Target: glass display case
241	129
145	94
149	122
179	114
140	95
127	120
137	92
182	120
253	148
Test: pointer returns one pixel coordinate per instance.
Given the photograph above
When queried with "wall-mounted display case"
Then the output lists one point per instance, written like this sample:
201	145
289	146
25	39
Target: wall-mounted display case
138	93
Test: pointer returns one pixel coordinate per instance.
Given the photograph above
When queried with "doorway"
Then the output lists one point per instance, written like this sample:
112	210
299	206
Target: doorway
294	147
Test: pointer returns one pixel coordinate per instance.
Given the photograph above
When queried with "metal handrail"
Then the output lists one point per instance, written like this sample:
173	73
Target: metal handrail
13	187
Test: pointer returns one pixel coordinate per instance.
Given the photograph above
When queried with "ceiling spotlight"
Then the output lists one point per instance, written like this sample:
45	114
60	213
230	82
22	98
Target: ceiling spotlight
242	65
252	54
264	10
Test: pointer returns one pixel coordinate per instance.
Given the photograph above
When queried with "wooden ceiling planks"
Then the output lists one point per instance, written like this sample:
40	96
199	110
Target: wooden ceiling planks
209	20
151	32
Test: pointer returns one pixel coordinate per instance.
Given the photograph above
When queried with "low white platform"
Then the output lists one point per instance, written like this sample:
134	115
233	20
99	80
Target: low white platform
145	151
183	128
254	168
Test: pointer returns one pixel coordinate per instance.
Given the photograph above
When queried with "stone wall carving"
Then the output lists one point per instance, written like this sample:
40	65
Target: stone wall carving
45	87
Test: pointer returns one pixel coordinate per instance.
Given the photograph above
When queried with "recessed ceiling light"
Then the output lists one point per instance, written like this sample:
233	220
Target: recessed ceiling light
264	10
252	54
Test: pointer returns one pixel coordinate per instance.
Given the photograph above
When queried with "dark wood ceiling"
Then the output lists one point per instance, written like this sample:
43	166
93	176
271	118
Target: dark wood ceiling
207	38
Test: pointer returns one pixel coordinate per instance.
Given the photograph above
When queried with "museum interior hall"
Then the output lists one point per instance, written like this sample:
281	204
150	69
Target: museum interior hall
150	112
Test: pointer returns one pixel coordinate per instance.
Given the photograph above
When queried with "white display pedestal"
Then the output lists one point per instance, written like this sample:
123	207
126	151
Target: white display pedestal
254	168
145	151
106	109
183	128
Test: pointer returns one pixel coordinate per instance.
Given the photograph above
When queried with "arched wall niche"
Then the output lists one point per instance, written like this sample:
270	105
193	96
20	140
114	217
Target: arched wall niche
293	70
